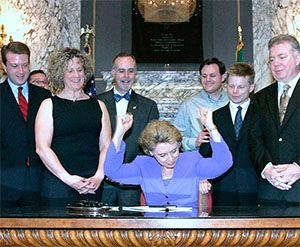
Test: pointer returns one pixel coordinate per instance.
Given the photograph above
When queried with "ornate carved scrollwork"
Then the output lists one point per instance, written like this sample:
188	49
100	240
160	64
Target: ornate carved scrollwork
113	238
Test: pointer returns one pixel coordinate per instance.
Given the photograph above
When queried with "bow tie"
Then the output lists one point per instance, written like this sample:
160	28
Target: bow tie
118	97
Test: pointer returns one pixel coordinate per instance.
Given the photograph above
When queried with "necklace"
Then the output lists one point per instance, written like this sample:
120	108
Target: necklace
73	97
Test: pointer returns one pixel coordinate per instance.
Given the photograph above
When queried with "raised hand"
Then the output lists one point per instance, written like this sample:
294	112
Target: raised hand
205	116
203	137
124	123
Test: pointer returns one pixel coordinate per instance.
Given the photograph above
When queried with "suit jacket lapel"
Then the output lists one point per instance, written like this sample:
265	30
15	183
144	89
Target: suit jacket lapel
272	103
31	105
10	98
111	107
293	103
133	103
228	122
246	121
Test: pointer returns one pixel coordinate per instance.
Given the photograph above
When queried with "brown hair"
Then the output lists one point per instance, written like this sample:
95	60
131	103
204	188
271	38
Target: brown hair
213	60
158	131
58	64
16	48
123	54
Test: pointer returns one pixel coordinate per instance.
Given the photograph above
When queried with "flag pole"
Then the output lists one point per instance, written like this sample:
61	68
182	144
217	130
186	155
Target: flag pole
238	13
240	45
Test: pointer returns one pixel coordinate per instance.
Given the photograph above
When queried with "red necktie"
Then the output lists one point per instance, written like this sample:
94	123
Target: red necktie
22	103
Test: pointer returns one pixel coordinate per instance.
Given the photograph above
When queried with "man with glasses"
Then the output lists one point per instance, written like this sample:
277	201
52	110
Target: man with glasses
39	78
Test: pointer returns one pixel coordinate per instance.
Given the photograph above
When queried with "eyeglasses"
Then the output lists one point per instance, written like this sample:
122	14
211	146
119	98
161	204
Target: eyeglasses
39	82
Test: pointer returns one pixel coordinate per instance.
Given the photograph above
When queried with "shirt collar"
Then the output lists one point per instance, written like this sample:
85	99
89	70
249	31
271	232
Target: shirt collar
117	92
222	95
14	87
292	83
244	105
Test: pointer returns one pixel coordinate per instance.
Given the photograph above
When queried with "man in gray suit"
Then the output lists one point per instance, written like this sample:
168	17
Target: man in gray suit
119	100
275	134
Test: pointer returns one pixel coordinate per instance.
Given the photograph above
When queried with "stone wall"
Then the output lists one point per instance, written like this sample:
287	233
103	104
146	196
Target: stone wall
271	18
167	88
54	24
49	25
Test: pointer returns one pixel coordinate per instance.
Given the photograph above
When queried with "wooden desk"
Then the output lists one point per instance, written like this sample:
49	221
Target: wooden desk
137	231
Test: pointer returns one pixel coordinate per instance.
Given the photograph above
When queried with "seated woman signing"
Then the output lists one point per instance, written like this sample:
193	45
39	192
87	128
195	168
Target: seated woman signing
166	176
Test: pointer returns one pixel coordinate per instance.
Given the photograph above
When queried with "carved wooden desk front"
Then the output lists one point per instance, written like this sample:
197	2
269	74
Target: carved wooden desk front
141	231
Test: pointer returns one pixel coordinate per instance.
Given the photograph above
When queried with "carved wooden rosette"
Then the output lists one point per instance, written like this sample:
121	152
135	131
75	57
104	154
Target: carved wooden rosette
114	238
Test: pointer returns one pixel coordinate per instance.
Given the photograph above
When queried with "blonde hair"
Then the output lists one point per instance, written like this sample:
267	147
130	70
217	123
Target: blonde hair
242	70
58	64
158	131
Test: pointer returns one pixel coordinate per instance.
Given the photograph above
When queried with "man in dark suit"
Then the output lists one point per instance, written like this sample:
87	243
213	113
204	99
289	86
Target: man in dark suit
275	134
20	165
119	100
238	186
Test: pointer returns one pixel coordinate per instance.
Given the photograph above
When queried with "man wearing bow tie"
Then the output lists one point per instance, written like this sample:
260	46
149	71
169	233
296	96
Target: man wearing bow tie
120	100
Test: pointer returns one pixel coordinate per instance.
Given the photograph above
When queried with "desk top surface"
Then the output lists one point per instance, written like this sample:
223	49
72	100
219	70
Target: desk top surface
218	218
151	212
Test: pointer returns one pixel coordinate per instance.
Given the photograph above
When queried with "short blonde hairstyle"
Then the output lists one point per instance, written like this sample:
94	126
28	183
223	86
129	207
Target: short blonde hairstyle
242	70
58	64
158	131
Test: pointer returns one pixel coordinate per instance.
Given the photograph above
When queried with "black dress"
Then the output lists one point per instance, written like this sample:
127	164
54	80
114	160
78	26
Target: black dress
77	126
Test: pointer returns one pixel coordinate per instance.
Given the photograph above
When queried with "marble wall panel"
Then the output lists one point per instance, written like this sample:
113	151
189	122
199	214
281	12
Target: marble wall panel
53	24
270	18
167	88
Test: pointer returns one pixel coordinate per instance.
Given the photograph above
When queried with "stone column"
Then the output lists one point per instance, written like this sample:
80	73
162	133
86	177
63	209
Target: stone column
270	18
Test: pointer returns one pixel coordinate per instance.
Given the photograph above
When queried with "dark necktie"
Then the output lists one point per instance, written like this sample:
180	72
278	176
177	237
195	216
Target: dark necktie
23	104
118	97
283	102
238	121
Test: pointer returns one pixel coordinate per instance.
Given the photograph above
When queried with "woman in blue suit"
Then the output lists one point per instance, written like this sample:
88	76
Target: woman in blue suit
166	176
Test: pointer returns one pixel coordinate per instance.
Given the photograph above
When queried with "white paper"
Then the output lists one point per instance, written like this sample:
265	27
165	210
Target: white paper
157	209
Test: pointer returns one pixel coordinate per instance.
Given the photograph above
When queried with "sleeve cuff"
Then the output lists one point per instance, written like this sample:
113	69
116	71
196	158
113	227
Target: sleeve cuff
263	171
189	144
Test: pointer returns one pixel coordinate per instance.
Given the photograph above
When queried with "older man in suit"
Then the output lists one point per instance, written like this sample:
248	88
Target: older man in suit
274	137
120	100
20	165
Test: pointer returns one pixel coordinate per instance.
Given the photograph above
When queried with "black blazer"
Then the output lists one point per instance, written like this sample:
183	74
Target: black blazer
18	141
271	142
143	109
241	177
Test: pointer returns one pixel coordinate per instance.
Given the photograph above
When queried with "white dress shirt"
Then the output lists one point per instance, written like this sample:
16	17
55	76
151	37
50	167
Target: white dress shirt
233	107
14	89
122	105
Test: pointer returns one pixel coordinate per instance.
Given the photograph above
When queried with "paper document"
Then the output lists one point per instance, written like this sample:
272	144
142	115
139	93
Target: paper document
157	209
